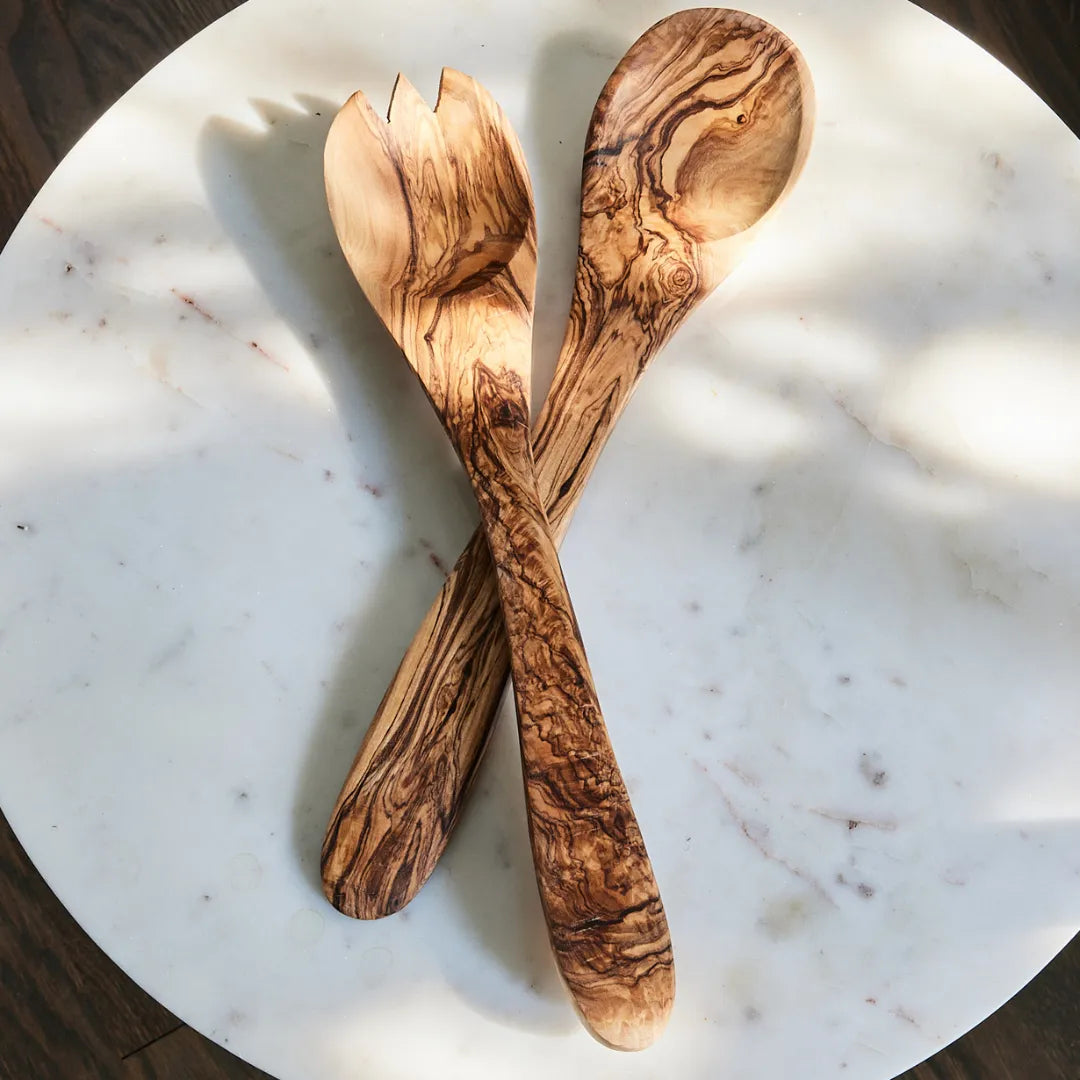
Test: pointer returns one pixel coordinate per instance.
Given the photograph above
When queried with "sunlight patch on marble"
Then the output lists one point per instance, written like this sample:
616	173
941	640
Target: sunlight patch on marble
997	403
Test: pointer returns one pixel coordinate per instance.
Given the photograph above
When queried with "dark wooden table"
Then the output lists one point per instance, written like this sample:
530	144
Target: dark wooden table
68	1013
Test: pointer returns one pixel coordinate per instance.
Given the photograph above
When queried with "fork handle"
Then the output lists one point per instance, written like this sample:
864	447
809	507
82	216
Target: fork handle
604	915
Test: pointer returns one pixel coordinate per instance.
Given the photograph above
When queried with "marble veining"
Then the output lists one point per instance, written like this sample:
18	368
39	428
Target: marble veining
843	686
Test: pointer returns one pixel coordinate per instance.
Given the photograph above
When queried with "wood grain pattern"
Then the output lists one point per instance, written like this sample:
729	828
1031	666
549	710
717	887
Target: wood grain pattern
604	915
52	93
695	137
434	213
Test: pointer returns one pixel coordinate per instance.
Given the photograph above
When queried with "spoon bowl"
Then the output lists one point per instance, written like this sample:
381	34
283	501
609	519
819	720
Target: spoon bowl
720	104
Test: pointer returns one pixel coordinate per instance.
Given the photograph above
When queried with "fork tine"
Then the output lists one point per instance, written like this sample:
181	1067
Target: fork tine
454	83
465	105
360	104
461	96
406	104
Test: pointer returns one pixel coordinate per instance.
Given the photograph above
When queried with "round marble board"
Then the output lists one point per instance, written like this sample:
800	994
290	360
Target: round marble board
826	570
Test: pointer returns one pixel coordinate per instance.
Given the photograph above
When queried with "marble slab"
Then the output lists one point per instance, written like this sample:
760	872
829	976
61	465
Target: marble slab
827	569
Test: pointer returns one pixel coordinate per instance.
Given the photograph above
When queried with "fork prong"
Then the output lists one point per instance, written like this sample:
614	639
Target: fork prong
360	103
466	105
406	104
454	83
460	95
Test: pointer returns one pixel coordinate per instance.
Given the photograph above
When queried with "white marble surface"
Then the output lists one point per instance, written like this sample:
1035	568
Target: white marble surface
826	570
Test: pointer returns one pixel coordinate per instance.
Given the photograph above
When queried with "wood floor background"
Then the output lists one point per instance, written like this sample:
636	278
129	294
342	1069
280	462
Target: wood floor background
66	1012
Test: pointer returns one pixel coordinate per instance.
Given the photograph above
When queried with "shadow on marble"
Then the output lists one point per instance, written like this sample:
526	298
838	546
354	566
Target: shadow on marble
569	72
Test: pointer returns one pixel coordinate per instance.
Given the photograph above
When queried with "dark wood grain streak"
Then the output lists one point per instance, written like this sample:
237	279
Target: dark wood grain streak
1033	1038
434	212
661	225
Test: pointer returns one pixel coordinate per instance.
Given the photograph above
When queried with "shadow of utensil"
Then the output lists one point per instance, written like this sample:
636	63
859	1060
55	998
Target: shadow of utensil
265	184
567	77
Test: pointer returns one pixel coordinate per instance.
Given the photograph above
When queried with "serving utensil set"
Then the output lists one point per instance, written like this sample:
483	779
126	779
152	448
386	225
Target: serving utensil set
696	137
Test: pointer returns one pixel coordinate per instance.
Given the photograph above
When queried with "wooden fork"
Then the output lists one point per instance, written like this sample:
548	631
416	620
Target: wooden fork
434	213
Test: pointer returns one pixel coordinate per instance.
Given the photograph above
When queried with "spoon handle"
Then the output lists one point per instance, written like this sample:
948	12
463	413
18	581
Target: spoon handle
405	789
604	915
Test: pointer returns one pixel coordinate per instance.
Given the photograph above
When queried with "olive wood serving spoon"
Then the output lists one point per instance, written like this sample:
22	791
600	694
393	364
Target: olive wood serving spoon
698	134
434	213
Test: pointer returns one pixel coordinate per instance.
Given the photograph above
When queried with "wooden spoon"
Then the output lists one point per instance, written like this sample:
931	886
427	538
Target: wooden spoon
434	213
697	135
